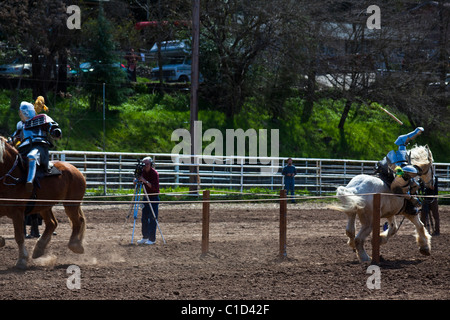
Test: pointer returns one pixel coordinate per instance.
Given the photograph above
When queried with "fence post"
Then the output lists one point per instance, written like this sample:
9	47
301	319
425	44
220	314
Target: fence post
120	171
376	229
177	171
242	174
320	177
205	223
105	172
283	223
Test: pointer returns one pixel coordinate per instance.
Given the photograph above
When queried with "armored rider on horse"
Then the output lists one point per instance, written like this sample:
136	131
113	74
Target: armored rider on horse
396	170
32	137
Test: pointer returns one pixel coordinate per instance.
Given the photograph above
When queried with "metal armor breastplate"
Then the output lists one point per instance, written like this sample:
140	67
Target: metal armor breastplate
37	121
35	130
33	135
397	158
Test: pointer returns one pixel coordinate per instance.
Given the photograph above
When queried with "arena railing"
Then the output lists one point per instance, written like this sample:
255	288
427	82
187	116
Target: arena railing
115	170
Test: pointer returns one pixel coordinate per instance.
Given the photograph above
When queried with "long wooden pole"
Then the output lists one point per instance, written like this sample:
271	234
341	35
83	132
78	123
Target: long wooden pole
194	170
283	224
376	229
205	222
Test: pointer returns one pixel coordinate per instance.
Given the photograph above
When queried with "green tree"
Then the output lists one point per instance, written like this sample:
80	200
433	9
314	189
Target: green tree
104	65
39	27
236	33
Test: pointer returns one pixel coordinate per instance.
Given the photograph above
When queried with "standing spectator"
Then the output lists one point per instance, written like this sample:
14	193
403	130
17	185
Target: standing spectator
132	59
33	220
431	204
289	173
150	181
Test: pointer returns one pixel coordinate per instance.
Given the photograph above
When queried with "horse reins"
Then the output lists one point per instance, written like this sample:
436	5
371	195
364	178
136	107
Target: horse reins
8	174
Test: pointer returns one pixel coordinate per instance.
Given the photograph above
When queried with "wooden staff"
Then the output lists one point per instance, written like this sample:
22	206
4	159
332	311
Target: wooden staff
376	229
283	224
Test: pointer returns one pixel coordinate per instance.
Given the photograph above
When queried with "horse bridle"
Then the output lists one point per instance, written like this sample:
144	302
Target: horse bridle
8	174
430	183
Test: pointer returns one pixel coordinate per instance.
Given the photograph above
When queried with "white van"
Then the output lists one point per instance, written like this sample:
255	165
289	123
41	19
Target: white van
174	69
176	64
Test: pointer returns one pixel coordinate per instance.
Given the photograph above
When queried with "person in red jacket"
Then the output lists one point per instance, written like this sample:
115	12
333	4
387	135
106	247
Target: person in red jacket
150	181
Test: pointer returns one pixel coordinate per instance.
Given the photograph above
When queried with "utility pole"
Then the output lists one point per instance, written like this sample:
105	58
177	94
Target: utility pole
194	170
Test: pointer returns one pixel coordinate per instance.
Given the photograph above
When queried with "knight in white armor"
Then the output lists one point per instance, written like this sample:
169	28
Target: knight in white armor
404	181
33	139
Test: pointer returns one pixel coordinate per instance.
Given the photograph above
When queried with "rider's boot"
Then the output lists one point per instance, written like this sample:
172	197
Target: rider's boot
31	174
406	138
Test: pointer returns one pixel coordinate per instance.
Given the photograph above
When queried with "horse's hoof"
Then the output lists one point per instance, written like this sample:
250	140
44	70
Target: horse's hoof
77	248
364	258
425	251
21	264
38	251
37	254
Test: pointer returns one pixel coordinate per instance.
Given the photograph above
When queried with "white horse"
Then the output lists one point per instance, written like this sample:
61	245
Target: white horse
353	204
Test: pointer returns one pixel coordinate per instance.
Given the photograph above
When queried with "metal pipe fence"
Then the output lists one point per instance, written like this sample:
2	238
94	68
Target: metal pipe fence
114	170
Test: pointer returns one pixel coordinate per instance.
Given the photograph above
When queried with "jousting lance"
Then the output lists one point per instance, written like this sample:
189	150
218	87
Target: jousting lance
390	114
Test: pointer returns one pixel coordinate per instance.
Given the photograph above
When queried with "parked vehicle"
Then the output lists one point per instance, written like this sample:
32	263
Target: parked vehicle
18	66
176	64
174	69
86	67
172	48
90	66
434	86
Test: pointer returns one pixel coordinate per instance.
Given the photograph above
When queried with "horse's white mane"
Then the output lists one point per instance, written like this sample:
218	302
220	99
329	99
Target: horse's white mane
421	155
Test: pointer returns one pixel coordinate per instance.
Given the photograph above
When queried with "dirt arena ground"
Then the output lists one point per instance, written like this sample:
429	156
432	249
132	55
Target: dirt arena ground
242	263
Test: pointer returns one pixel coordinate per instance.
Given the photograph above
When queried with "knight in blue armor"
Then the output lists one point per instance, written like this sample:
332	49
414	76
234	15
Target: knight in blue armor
404	173
399	158
33	139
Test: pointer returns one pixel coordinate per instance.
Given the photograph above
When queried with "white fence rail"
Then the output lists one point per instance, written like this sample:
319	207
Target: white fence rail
111	170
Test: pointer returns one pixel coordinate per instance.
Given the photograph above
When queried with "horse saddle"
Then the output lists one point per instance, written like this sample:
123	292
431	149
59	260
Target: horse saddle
51	171
41	171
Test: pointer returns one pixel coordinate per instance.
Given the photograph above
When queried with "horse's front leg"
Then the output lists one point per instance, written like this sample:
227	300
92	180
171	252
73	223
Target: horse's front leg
423	238
390	231
19	236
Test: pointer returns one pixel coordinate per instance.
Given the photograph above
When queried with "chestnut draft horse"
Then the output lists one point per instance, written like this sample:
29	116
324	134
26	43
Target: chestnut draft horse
69	185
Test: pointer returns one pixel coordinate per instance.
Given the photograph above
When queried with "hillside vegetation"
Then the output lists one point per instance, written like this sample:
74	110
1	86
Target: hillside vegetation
145	122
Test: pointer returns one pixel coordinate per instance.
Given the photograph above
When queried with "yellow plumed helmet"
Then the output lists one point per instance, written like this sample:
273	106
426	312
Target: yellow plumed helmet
39	105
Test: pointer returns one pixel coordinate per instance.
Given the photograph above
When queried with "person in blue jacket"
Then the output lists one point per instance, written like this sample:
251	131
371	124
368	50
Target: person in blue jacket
289	173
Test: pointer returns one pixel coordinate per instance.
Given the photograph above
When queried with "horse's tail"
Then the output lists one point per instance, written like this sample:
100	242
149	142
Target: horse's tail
350	203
